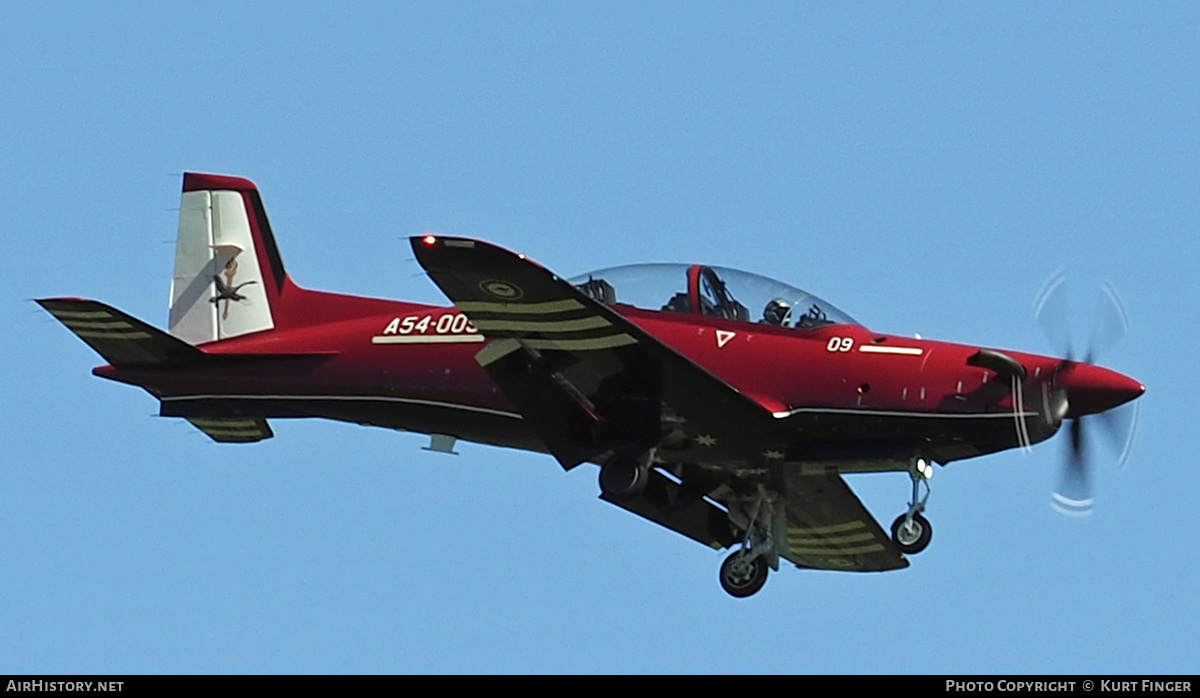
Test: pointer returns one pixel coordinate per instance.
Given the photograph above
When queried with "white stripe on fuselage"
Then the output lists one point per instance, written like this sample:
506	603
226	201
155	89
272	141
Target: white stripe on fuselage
887	413
346	398
427	338
876	349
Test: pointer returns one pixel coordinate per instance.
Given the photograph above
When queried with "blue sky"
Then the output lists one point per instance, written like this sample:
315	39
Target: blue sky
925	168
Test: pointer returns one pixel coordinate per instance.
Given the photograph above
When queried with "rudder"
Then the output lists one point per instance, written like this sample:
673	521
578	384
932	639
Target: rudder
228	272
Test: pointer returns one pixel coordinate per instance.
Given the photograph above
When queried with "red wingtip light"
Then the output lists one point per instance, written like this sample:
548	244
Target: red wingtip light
429	240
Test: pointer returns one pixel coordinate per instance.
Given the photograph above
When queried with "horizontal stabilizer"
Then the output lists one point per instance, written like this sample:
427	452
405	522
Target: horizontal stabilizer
121	339
238	430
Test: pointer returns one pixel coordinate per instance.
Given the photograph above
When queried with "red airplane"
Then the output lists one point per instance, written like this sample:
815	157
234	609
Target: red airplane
729	426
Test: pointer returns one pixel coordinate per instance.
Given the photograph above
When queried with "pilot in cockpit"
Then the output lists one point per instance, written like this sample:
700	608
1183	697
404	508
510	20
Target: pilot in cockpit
776	312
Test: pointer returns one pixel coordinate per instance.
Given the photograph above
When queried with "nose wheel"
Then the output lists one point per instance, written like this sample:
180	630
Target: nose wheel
912	535
743	573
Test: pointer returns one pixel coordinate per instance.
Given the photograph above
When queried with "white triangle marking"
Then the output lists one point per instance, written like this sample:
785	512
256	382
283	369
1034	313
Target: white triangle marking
723	337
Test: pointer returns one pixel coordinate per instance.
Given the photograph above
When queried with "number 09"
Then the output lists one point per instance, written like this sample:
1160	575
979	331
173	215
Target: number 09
839	344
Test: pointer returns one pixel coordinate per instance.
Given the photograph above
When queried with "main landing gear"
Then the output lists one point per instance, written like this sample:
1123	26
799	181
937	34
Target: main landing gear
745	571
911	531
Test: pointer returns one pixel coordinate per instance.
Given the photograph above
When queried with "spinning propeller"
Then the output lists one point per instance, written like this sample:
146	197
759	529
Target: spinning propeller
1080	390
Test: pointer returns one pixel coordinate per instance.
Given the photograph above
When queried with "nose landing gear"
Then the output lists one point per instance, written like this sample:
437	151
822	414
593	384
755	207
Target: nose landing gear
911	531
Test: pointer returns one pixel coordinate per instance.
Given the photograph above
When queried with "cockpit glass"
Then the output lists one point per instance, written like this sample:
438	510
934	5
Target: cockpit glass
721	292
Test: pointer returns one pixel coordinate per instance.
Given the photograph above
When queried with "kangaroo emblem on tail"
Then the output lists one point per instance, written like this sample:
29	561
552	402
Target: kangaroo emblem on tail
226	291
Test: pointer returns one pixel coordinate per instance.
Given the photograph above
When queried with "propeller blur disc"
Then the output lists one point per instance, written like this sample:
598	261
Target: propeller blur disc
1073	495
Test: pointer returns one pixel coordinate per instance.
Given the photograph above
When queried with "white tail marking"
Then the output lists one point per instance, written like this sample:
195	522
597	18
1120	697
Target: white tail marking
217	291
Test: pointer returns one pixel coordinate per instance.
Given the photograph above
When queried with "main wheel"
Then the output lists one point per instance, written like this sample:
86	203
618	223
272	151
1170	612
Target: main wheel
623	479
742	575
912	537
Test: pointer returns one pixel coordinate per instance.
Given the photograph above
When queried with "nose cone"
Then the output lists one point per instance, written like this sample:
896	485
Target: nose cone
1092	389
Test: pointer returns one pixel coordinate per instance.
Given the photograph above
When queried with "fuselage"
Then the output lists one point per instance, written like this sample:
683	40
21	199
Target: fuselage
839	392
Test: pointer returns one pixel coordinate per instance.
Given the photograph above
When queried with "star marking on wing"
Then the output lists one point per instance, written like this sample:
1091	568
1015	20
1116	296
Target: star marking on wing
706	440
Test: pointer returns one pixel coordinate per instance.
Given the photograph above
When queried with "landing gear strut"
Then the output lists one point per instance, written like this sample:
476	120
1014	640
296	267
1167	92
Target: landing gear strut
911	531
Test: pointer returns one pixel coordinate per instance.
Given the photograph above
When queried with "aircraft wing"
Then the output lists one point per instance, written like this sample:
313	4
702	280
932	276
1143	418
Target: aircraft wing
682	509
586	379
828	528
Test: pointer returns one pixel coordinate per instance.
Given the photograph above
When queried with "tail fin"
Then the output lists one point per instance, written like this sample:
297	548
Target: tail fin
228	272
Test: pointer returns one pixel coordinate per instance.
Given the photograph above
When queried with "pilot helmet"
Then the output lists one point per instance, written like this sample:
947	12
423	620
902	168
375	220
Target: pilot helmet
776	311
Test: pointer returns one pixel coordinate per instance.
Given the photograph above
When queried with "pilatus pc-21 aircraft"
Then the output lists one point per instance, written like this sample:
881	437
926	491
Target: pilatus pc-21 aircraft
723	405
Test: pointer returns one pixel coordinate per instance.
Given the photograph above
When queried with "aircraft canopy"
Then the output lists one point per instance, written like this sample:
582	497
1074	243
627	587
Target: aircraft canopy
710	291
